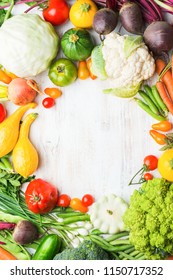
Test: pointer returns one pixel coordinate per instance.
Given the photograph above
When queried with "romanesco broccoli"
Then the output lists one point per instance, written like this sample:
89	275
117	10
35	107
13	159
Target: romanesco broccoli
150	218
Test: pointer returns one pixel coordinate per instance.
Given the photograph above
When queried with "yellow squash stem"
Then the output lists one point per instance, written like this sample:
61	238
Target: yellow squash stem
9	129
3	92
25	156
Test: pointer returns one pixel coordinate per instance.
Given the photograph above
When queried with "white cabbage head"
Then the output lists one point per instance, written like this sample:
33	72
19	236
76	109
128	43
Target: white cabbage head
28	44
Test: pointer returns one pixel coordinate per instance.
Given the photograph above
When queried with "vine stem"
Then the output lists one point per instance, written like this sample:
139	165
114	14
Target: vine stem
35	5
19	2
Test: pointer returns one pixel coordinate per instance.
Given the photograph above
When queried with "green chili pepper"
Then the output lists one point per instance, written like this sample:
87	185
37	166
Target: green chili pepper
48	248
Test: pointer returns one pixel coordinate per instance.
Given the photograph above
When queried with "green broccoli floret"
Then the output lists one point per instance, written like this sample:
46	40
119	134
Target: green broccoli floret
149	219
87	250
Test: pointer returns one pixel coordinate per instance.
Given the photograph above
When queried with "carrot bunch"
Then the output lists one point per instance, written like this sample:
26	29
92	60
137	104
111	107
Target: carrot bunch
165	83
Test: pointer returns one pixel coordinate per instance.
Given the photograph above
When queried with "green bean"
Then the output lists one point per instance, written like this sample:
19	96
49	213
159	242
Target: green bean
67	215
128	257
146	108
97	232
150	94
117	235
149	102
75	219
62	210
120	242
129	250
159	100
139	255
134	253
142	257
106	246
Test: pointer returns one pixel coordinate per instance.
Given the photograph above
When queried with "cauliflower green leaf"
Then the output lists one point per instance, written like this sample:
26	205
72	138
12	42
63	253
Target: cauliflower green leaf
131	43
124	92
98	63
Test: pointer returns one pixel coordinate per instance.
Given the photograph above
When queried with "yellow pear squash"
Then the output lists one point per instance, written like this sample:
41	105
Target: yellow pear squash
25	156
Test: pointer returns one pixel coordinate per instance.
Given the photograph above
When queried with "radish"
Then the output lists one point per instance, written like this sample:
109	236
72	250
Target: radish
22	91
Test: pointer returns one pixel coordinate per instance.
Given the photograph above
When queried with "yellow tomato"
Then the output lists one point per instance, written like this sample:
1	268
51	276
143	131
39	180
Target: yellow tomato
82	13
165	165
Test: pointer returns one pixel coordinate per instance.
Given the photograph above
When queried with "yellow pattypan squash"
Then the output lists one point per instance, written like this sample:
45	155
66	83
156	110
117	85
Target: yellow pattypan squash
82	13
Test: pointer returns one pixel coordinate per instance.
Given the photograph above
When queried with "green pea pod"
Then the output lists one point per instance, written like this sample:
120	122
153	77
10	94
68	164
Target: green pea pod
48	248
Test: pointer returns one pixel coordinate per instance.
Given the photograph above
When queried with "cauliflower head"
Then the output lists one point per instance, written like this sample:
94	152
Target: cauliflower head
149	219
127	62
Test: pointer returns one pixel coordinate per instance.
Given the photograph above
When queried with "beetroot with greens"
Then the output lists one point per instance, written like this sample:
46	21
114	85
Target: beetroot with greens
131	18
158	36
149	8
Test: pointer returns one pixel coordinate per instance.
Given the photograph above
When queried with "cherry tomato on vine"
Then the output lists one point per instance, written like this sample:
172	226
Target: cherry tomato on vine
63	200
148	176
150	162
87	200
48	102
77	204
3	113
57	12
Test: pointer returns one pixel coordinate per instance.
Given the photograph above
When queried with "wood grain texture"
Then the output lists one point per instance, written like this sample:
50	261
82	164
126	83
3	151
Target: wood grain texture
90	142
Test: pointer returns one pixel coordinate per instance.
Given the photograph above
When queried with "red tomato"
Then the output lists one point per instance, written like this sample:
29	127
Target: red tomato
57	12
151	162
87	199
77	204
41	196
148	176
3	113
63	200
48	102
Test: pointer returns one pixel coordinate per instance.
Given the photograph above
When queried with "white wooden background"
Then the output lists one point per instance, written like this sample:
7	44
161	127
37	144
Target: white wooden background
90	142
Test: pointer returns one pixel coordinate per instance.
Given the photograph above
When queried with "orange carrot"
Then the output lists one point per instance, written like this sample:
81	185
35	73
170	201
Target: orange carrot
167	78
4	77
10	74
163	94
172	64
5	255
